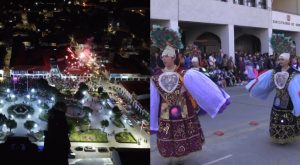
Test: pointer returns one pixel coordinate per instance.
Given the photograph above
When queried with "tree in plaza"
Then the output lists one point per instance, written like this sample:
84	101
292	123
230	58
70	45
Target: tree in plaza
78	95
281	43
100	90
104	124
117	112
2	120
11	124
29	124
83	87
42	84
104	96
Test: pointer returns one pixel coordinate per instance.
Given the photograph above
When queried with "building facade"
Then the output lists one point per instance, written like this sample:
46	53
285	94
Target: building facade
229	25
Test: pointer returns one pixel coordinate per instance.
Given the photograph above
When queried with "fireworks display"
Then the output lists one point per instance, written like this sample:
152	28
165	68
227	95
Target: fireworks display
81	58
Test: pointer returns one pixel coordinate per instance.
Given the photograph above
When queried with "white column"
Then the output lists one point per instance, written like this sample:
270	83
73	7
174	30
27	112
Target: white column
269	4
227	40
265	37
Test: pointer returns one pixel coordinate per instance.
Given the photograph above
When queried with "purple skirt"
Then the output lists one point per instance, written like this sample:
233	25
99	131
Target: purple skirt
176	138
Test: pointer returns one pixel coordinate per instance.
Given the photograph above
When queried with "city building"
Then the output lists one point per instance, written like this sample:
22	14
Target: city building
229	25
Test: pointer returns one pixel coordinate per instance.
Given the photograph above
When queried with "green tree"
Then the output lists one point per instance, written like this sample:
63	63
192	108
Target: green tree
104	124
2	120
100	90
29	124
282	44
104	96
11	124
83	87
78	95
117	112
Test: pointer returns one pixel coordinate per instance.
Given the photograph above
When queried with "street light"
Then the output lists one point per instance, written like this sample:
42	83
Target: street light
32	90
7	90
28	96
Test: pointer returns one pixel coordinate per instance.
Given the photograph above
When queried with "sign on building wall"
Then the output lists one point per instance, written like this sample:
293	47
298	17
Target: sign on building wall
285	21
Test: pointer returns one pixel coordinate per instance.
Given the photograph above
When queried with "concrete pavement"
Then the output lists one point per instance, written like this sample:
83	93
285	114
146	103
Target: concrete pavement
242	143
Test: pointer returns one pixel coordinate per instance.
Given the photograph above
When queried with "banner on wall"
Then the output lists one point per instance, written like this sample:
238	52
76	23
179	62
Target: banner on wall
285	21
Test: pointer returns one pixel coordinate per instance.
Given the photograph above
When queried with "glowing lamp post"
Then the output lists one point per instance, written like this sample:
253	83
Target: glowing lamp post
13	97
8	92
32	92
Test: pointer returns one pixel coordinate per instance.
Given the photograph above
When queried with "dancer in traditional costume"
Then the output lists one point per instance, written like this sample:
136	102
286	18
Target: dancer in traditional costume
284	124
175	94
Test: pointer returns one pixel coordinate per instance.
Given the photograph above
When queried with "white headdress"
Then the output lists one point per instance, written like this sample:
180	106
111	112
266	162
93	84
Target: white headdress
169	51
285	56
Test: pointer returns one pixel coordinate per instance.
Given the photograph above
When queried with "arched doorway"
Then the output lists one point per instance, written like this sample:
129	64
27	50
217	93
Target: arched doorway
208	42
247	43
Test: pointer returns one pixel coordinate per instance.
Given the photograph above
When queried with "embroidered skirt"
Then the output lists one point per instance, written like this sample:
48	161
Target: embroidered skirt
283	126
176	138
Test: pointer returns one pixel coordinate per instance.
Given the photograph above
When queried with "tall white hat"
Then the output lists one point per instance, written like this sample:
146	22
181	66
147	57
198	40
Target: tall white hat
285	56
169	51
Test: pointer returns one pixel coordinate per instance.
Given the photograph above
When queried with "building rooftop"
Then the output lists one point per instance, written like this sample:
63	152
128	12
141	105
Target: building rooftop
31	60
138	87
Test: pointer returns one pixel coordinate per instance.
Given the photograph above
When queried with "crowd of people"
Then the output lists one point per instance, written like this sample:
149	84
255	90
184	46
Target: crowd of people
63	83
225	70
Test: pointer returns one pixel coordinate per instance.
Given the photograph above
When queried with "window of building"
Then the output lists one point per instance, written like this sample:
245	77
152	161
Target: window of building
262	4
251	3
240	2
